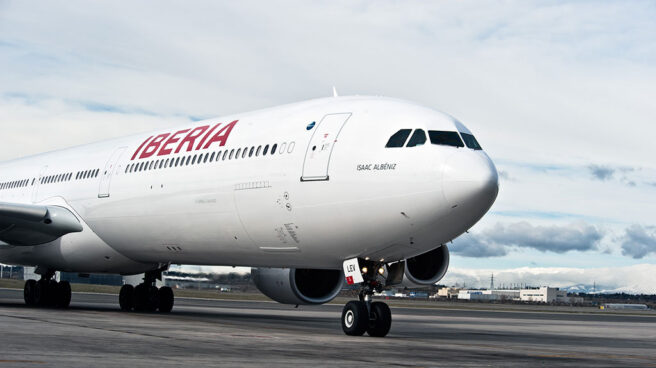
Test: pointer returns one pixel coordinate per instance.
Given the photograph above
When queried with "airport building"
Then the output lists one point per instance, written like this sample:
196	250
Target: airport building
447	292
489	295
11	272
543	294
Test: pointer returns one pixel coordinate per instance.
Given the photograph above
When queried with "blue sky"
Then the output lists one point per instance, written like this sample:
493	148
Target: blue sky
560	94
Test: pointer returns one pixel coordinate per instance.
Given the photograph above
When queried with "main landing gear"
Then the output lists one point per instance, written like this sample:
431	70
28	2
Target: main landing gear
47	292
146	297
360	316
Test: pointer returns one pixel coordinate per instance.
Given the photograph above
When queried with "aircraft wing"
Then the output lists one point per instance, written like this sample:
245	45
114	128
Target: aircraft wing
28	224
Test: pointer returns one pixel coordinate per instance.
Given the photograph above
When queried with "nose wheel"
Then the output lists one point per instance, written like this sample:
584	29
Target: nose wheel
357	319
360	316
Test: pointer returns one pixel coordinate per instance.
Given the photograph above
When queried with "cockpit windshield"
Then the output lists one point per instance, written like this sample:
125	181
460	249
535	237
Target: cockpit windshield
399	138
418	138
444	138
470	141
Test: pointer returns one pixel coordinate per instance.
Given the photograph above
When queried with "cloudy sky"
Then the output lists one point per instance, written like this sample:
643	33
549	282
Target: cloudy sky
560	94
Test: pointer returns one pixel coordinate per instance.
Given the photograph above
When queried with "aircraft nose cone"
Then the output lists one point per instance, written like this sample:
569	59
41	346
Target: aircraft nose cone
470	179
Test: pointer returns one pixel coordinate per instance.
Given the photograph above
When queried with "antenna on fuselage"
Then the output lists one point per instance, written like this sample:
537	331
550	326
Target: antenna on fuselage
335	92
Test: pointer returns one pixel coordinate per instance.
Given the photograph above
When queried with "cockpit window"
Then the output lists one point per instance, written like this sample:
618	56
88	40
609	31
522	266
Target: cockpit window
445	138
418	138
399	138
471	142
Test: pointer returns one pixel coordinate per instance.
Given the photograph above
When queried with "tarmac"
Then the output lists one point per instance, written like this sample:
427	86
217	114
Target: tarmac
206	333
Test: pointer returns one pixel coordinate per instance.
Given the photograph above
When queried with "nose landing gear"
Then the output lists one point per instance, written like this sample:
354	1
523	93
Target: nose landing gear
360	316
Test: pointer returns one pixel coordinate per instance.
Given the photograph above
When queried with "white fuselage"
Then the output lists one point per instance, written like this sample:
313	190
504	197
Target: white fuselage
330	192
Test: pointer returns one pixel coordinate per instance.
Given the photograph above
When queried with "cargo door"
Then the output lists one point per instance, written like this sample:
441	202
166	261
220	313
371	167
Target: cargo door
317	156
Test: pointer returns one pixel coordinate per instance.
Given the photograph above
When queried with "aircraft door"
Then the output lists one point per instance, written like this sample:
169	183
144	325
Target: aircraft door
317	155
110	169
37	183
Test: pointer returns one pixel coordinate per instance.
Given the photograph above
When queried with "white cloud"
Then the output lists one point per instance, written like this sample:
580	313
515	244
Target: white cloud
548	88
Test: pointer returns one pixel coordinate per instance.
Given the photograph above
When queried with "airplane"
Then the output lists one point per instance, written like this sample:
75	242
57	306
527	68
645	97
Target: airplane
357	190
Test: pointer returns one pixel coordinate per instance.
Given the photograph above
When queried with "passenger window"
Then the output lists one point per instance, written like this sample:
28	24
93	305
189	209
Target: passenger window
232	152
290	149
212	157
282	148
250	153
259	148
266	149
471	142
398	139
225	153
243	154
238	152
418	138
443	138
273	149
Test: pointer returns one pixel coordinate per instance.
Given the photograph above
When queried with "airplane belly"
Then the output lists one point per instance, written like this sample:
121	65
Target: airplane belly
177	227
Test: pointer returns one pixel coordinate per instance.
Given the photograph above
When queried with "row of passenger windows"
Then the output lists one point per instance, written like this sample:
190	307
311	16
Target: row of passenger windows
59	178
212	157
15	184
81	175
439	137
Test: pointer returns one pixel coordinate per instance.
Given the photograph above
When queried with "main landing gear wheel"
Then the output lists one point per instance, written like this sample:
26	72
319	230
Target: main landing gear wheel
126	297
47	293
165	299
355	319
29	292
146	297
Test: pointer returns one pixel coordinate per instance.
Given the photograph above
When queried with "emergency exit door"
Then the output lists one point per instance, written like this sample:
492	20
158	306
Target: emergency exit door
324	138
109	172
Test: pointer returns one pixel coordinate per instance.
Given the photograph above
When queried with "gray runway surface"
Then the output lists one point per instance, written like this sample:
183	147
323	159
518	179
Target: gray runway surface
199	333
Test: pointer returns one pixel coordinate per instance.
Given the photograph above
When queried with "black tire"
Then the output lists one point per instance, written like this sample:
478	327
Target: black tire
355	318
126	297
41	293
52	293
29	292
140	298
165	299
63	294
145	298
380	320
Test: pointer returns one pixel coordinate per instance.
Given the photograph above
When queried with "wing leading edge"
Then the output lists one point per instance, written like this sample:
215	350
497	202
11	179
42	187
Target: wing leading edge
27	224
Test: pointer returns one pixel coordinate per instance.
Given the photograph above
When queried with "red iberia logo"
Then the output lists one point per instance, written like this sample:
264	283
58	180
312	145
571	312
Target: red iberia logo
185	140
